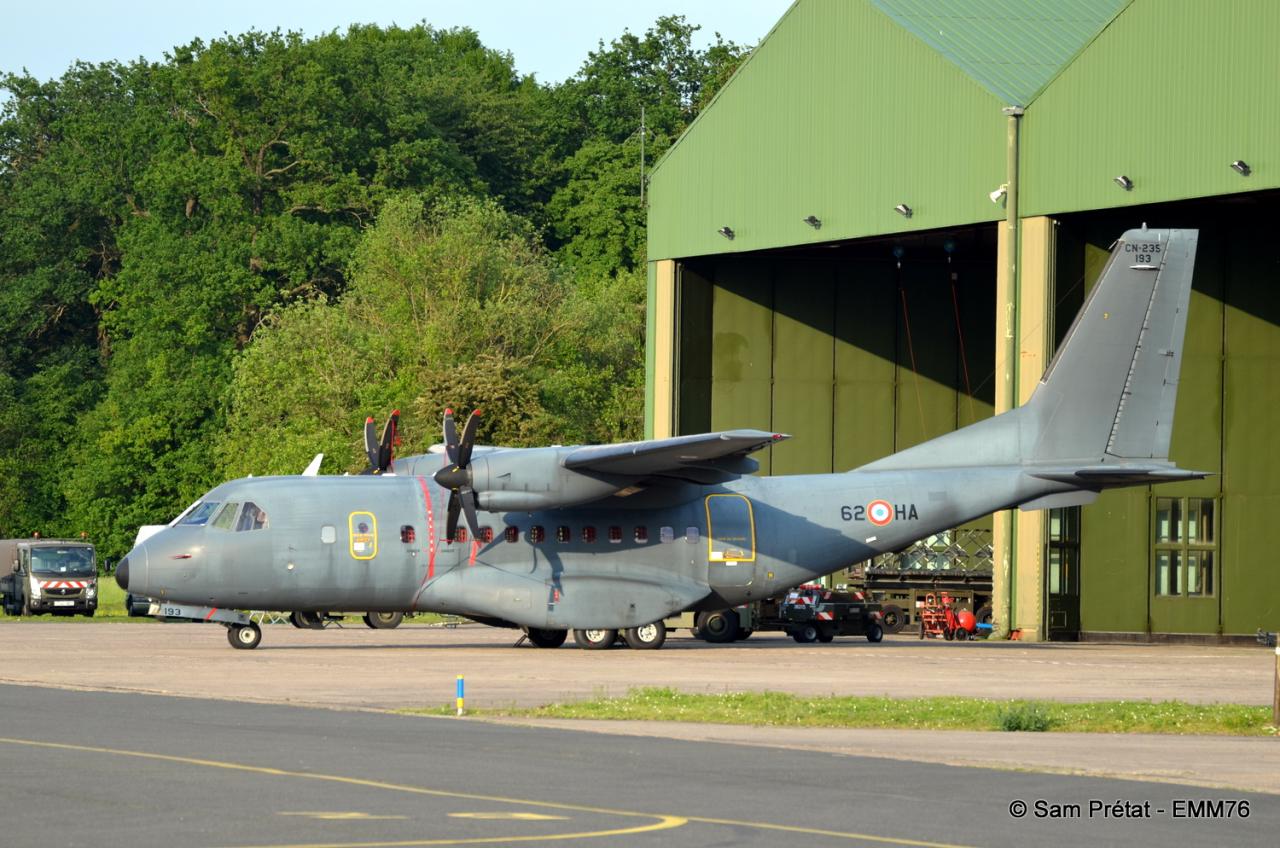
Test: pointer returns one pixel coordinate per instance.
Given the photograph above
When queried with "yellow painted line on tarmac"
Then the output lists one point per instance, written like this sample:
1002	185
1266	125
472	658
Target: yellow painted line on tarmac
664	822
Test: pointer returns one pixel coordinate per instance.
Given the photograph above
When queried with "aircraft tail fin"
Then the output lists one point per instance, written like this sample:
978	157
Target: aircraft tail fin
1109	392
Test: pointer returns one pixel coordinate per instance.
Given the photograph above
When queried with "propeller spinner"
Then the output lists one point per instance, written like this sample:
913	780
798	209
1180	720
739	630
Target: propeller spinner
456	475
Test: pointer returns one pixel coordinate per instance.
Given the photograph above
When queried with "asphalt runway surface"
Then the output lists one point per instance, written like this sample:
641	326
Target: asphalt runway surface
80	768
416	666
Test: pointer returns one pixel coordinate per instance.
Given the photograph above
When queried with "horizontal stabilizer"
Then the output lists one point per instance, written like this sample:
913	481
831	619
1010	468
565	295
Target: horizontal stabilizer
1104	476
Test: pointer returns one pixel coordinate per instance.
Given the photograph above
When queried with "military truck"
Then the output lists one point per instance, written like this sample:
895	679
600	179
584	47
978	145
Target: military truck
39	576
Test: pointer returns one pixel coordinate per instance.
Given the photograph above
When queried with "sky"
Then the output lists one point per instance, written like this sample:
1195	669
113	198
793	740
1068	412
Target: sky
550	38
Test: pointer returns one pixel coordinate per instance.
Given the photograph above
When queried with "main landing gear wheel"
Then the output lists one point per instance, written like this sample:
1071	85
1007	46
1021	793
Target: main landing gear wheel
595	640
546	638
244	636
383	620
719	626
647	637
307	620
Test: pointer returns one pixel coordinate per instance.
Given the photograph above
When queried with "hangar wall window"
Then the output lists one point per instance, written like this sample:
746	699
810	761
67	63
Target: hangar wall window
1063	554
589	534
1185	547
512	533
642	535
537	534
562	534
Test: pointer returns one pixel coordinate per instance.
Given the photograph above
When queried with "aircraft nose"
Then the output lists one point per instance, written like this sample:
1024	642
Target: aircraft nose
122	574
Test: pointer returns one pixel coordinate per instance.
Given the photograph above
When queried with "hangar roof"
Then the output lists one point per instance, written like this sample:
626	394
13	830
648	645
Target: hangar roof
1013	48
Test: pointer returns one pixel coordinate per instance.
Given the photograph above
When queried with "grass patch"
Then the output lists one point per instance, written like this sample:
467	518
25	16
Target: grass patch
778	709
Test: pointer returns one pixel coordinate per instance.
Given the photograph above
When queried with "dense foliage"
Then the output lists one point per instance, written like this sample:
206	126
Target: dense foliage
218	264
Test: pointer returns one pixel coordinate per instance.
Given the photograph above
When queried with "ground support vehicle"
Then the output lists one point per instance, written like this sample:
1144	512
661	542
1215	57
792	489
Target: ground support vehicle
957	562
817	614
48	576
842	614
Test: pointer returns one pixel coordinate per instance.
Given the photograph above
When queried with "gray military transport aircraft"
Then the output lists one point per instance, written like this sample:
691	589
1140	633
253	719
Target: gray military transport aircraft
611	539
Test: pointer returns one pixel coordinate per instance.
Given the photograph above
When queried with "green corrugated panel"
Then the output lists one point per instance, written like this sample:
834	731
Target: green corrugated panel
1114	553
1012	47
1169	95
842	114
803	363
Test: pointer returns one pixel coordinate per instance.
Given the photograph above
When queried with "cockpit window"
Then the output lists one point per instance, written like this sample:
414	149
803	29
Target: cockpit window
252	517
201	514
226	516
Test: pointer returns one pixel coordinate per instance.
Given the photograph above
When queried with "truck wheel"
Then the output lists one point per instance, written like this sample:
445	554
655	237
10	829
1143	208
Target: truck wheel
383	620
745	633
892	617
244	636
595	639
962	635
719	626
89	612
546	638
648	637
875	633
805	633
826	635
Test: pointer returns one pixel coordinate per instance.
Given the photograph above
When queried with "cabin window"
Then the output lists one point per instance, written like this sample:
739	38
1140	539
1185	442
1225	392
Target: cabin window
407	535
537	534
667	534
460	535
512	534
562	534
691	535
589	534
226	516
201	514
642	535
328	534
486	534
615	535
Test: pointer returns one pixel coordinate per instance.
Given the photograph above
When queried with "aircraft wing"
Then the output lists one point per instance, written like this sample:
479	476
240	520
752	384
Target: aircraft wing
724	452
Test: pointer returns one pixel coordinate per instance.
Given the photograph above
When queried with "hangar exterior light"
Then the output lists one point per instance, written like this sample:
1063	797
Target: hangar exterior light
904	210
814	221
1241	167
727	232
999	194
1124	182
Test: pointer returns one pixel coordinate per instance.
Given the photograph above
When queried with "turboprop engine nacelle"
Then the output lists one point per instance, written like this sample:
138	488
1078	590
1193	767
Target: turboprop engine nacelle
528	480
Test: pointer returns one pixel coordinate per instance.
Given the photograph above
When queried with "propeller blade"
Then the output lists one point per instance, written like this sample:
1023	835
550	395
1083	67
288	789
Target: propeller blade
468	498
450	437
390	438
451	525
371	442
468	439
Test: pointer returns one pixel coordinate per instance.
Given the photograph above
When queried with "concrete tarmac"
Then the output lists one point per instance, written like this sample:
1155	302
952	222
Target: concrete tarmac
81	768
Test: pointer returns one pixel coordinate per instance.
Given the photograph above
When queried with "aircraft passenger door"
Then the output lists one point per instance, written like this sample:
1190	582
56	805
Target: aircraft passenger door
731	541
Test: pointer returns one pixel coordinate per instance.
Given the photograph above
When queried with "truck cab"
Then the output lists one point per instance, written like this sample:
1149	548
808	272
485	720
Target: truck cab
39	576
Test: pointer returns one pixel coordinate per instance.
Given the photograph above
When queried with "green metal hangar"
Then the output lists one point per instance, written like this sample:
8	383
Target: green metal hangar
829	256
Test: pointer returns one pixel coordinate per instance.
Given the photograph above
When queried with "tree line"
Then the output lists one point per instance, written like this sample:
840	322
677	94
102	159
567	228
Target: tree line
218	264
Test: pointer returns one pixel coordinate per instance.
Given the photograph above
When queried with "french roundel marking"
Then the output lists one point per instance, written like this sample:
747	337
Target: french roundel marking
880	513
